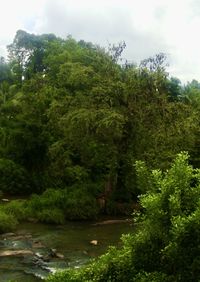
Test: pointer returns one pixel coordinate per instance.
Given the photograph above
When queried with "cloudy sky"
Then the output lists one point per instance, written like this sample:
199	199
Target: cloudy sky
147	27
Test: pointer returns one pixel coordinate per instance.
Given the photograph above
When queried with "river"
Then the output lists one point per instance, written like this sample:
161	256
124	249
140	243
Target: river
51	247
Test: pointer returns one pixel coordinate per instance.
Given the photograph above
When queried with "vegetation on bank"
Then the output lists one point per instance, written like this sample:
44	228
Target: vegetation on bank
53	206
165	245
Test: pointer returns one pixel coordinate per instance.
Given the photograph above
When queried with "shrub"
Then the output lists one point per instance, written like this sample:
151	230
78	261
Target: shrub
47	207
49	199
80	205
53	215
66	204
153	277
16	208
7	222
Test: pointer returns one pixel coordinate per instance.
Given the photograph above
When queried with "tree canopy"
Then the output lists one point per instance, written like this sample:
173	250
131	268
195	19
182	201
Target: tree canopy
73	114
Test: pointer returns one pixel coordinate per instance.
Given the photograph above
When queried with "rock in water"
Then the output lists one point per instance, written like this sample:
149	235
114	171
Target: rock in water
37	245
55	254
94	242
5	200
10	234
60	256
112	221
16	253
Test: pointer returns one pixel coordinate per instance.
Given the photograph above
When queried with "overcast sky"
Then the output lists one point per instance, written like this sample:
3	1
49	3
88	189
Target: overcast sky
147	26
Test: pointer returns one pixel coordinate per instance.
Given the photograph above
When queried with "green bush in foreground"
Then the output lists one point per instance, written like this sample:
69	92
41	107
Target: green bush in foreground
165	245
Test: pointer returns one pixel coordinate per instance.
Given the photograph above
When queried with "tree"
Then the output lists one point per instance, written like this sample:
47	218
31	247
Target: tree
174	89
26	53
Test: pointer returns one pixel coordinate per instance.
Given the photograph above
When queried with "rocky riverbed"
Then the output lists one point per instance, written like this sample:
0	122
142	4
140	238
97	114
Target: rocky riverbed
35	250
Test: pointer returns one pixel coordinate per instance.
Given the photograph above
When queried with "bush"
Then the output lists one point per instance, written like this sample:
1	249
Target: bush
16	208
47	207
49	199
51	216
38	208
153	277
80	205
11	213
7	222
54	206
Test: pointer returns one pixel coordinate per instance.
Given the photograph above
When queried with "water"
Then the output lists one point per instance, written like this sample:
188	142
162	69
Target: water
71	240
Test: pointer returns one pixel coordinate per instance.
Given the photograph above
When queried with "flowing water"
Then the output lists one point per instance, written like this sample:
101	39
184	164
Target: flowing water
53	247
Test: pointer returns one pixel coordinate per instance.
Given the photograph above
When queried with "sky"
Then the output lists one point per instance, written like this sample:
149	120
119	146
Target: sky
148	27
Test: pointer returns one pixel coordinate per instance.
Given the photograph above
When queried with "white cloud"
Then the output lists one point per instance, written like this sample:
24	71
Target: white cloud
18	15
147	27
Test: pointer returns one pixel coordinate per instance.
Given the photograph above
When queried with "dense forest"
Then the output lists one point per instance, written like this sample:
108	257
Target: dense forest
82	133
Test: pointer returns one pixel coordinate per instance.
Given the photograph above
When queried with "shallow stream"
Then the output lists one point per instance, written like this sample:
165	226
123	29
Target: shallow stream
49	248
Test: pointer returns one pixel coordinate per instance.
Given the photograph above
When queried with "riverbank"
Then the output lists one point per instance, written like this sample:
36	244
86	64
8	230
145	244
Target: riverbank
55	207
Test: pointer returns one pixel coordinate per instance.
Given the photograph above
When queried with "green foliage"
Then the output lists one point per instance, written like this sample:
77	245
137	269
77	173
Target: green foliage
47	207
12	213
165	244
16	208
80	205
153	277
144	178
169	223
14	178
51	215
7	222
54	206
71	115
